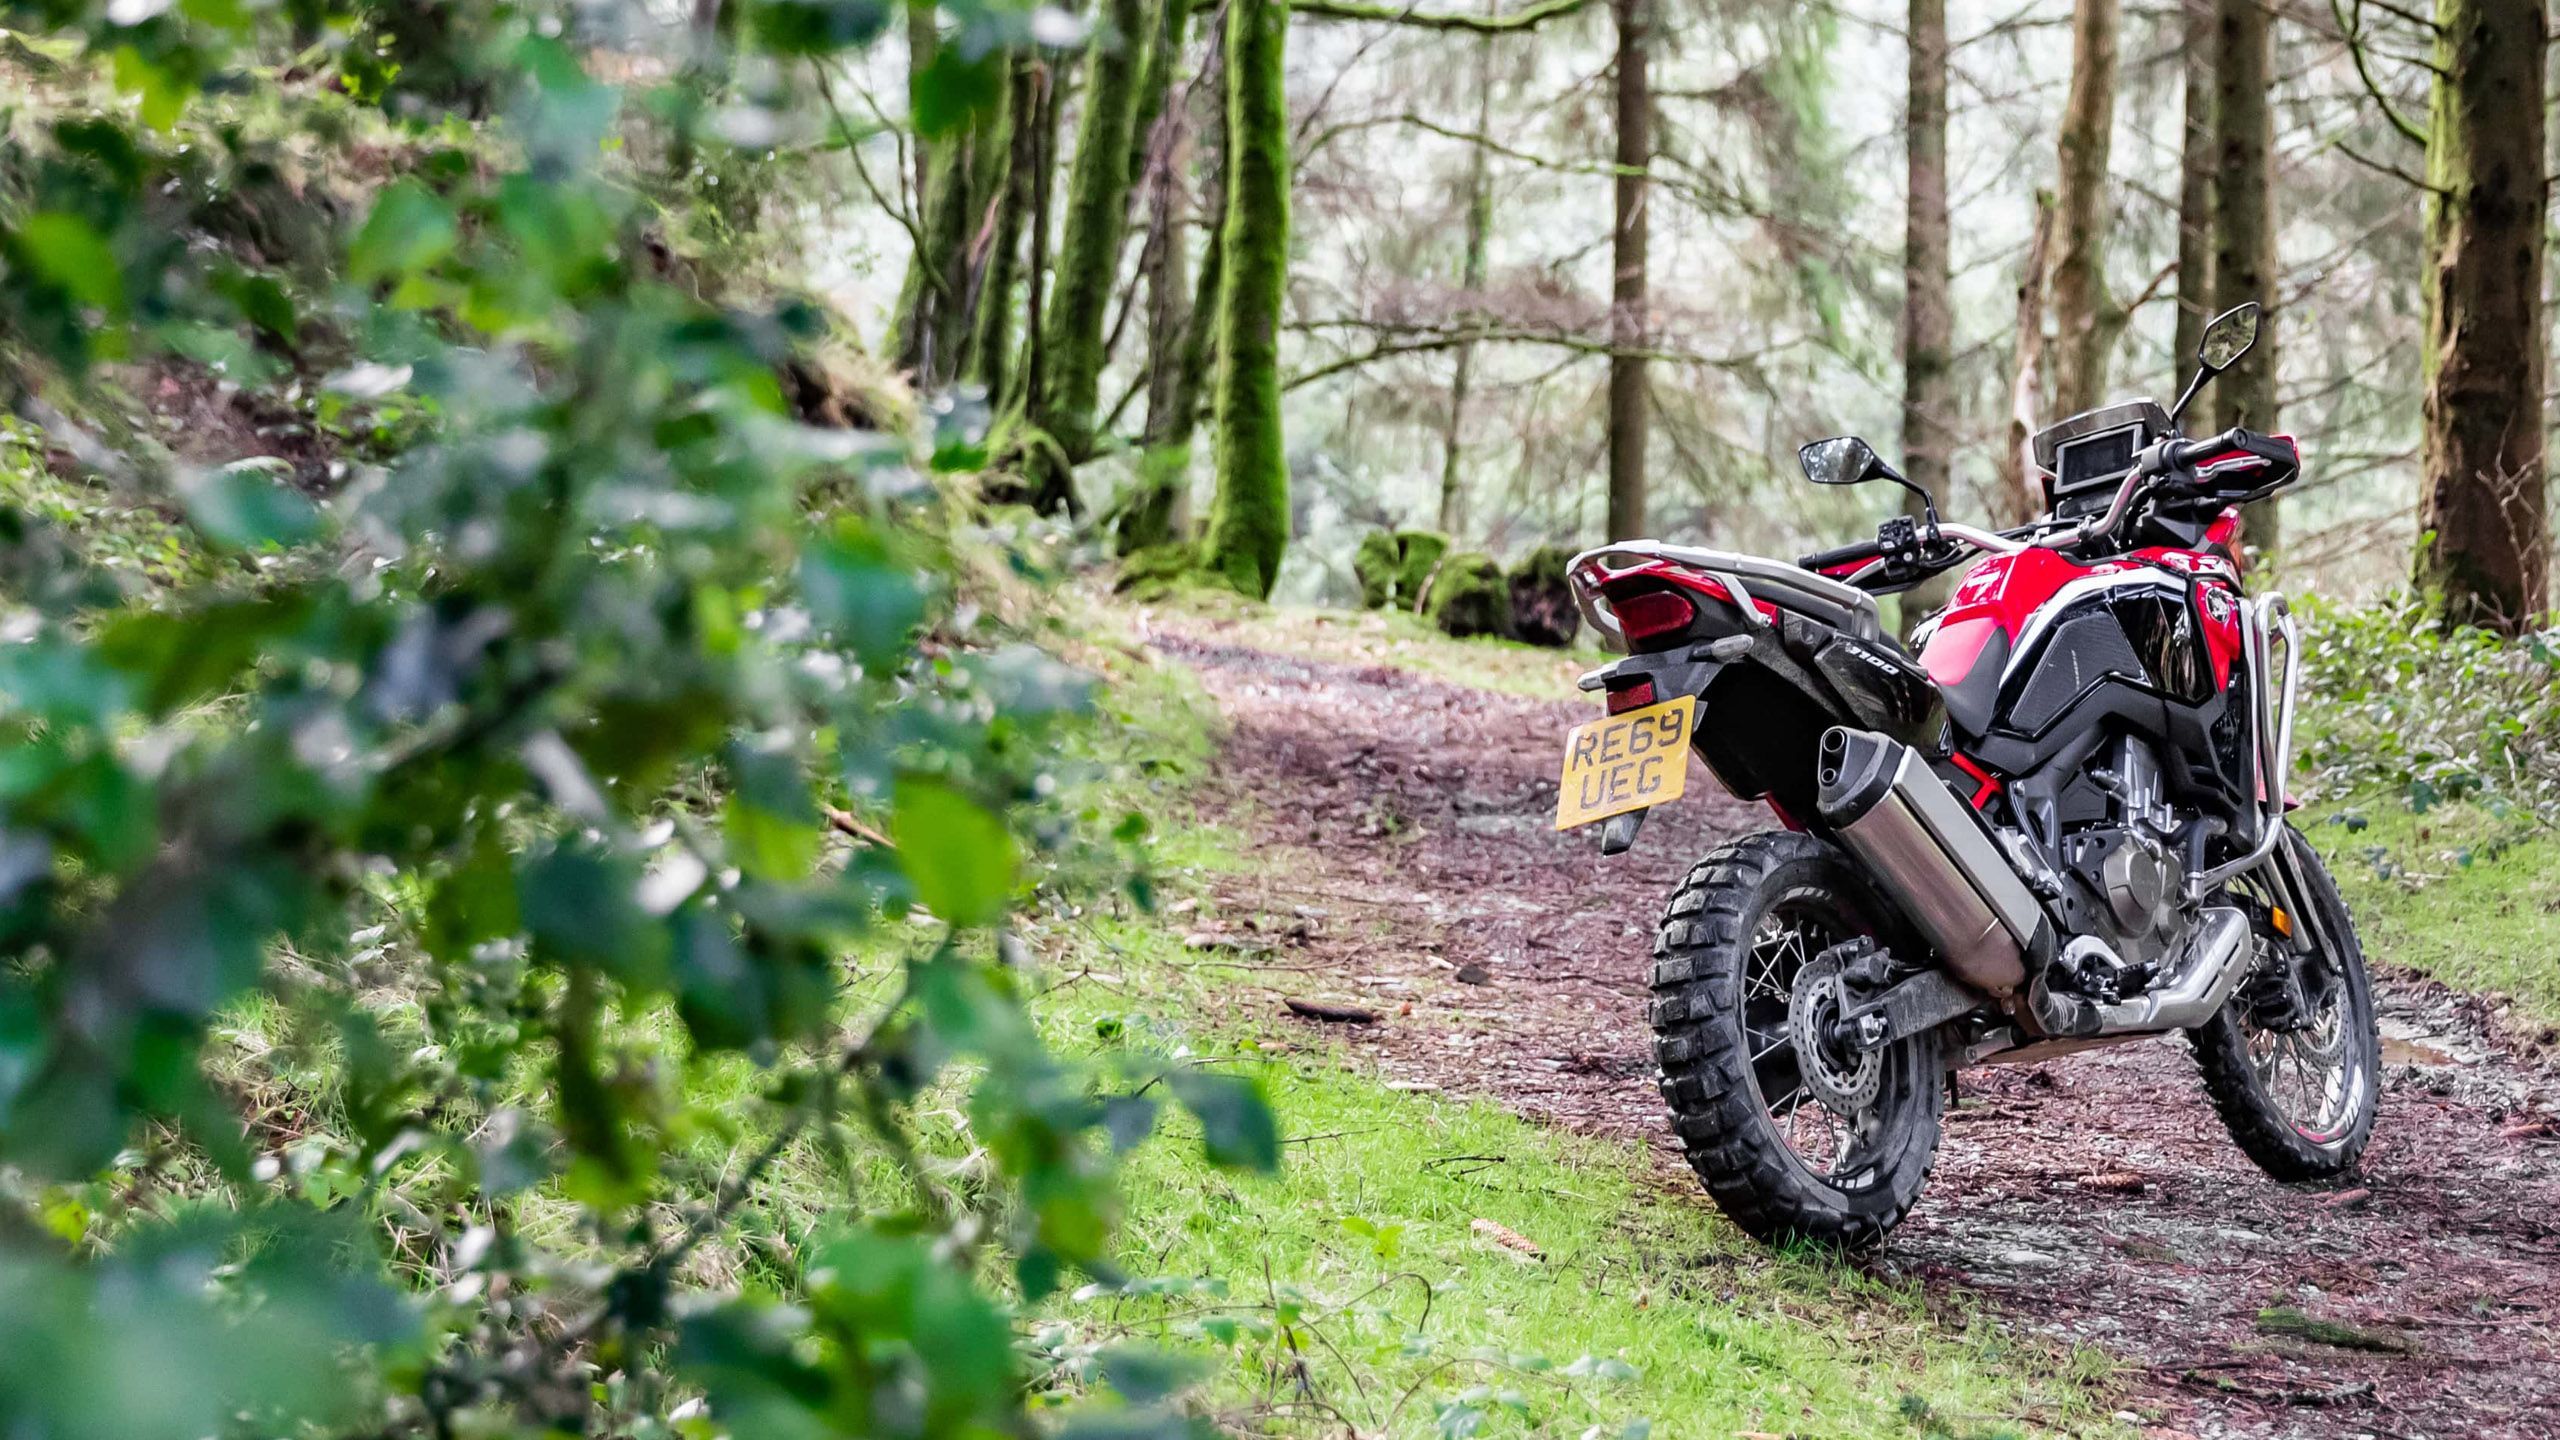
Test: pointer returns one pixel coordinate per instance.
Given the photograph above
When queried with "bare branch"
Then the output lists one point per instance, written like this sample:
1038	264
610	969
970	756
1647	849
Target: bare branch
1426	342
2351	30
1526	18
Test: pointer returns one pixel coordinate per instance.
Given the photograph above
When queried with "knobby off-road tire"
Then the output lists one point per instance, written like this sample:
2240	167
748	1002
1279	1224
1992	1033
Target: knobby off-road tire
2276	1119
1722	936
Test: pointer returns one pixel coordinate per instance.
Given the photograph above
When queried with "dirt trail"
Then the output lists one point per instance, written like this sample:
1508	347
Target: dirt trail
2093	1198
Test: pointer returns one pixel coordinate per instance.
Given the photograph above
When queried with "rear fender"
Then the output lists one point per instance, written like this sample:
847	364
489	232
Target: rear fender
1761	716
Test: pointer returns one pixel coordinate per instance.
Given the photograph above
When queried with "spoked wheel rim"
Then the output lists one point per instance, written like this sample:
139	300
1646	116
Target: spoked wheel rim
2311	1070
1831	1145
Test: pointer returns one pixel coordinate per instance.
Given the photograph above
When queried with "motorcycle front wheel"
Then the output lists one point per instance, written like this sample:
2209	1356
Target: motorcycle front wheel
2293	1061
1796	1137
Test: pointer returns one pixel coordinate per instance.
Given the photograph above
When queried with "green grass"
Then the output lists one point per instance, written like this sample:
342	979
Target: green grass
2458	893
1392	637
1354	1288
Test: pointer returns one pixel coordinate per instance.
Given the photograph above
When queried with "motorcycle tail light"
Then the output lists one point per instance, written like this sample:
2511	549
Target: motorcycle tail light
1634	697
1652	615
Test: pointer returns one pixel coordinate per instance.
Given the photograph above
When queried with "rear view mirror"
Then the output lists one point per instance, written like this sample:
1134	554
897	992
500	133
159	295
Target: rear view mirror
2228	336
1841	460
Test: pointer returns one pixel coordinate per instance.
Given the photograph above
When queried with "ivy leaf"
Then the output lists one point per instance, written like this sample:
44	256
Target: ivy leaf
959	858
855	591
409	230
241	507
1145	1376
953	90
818	27
1236	1124
163	91
70	252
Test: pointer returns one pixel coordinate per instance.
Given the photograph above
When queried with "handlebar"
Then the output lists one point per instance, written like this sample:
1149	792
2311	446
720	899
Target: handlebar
2162	460
1841	555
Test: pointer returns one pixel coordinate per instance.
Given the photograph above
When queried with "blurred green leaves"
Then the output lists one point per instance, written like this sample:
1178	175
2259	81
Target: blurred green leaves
145	1345
393	874
409	230
960	858
70	252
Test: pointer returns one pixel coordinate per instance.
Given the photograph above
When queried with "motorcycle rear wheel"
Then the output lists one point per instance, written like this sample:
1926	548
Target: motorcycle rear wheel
2297	1087
1781	1162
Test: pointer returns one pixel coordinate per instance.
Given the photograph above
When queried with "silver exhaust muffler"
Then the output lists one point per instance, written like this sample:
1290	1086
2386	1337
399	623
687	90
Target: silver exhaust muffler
1933	857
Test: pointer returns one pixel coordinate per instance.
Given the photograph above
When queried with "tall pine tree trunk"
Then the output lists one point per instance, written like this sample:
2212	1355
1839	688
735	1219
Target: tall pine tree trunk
2195	185
1471	284
1249	522
1088	259
2080	328
1629	332
2244	251
2487	551
1928	310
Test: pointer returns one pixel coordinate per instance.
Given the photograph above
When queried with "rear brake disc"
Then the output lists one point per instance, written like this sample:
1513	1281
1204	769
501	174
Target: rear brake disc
1844	1078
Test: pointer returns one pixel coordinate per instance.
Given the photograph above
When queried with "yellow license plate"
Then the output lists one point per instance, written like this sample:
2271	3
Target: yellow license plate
1626	762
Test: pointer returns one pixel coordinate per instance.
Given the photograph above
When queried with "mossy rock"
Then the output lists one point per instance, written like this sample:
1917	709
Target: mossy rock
1468	596
1542	608
1418	553
1158	570
1376	564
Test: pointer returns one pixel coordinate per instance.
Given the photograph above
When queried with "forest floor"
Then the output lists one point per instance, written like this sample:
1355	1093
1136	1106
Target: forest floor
1404	866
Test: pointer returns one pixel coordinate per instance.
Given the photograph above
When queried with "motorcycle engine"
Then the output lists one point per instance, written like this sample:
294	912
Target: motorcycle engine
2121	876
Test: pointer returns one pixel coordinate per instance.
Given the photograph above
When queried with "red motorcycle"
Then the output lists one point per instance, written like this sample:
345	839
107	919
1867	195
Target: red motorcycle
2060	824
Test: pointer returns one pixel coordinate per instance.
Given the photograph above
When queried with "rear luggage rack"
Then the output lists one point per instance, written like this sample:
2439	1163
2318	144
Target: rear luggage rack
1835	603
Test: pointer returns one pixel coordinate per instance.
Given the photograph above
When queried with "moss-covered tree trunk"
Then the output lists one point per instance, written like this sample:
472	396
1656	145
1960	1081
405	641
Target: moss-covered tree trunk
1155	513
1249	522
1471	283
1097	220
1928	280
930	309
1029	382
2080	328
2485	549
2244	249
1200	336
1628	330
1168	33
2195	184
1000	271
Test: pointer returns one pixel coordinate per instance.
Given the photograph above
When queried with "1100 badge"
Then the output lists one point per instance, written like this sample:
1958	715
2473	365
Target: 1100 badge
1627	762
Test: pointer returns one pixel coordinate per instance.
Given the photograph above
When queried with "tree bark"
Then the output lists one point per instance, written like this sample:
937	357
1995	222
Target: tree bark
1168	33
930	308
1471	284
2021	497
2244	252
2195	186
2080	328
1629	330
2485	551
1928	279
1088	259
1044	146
991	343
1156	513
1249	522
